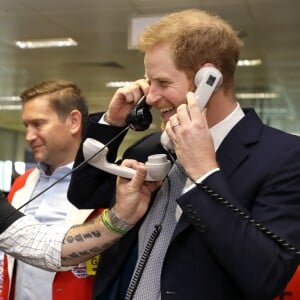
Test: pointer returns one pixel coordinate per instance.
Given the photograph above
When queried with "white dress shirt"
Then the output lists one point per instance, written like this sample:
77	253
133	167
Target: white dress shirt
35	243
49	208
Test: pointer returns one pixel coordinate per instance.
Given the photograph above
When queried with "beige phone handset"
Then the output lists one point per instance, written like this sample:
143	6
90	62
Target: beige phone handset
207	79
138	119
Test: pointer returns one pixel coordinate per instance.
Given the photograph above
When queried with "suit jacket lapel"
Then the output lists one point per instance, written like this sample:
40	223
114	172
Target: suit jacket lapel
233	151
235	147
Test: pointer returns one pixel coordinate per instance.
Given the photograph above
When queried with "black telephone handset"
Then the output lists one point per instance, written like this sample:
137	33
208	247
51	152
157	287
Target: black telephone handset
140	117
207	79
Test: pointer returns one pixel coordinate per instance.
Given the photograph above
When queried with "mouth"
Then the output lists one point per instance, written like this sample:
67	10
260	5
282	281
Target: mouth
36	148
167	112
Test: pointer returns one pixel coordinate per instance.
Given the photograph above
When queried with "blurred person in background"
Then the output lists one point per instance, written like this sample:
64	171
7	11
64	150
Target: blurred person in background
54	114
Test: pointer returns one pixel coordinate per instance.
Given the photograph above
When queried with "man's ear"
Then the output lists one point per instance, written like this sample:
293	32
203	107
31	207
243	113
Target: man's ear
74	120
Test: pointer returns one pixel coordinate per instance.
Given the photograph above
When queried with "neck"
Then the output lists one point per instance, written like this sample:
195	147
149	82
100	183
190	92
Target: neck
219	107
62	160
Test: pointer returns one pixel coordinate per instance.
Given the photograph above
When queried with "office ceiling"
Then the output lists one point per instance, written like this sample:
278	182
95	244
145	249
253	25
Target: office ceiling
269	28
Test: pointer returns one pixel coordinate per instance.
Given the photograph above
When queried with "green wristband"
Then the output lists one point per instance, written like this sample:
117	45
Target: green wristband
107	223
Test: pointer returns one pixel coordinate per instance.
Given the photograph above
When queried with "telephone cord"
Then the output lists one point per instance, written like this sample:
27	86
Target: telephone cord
280	241
147	251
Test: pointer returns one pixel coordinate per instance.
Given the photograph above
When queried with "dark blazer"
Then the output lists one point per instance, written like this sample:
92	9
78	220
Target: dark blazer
215	254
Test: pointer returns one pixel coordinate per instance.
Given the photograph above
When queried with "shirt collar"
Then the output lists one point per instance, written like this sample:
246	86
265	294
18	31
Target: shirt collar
221	129
60	171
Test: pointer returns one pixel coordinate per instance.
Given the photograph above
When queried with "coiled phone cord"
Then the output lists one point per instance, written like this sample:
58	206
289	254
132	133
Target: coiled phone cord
145	256
142	263
245	216
280	241
147	251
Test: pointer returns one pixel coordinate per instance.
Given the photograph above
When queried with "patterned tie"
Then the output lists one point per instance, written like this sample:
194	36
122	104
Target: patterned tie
164	203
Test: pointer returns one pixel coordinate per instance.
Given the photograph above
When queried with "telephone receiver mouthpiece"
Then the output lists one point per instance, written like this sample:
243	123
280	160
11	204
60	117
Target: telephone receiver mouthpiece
158	166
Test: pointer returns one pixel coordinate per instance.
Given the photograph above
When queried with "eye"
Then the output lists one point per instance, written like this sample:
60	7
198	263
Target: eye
39	123
35	124
164	83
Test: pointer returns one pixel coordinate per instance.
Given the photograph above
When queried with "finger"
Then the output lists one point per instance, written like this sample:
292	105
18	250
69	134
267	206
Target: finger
139	177
132	93
173	121
183	114
130	163
170	130
153	185
193	105
144	85
204	112
138	88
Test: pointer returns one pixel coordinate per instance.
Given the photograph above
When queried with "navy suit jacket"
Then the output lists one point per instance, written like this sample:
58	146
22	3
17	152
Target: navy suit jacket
214	254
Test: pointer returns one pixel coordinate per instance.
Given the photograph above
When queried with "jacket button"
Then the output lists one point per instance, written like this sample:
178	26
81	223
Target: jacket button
189	208
203	228
193	215
198	222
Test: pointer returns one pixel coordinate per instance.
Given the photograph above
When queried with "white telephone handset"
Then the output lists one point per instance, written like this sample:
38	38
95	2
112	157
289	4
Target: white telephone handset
158	165
207	79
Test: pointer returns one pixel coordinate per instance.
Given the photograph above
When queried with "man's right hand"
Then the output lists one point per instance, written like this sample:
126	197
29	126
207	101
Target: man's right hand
133	195
123	101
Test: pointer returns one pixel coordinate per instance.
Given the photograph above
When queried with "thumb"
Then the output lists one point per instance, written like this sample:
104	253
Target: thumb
140	176
204	113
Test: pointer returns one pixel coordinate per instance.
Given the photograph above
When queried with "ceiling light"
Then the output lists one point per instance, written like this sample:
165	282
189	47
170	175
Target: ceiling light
46	43
136	26
14	103
257	95
249	62
9	99
117	84
10	107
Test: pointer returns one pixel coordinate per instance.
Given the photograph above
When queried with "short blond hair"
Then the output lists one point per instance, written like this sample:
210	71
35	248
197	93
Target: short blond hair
196	37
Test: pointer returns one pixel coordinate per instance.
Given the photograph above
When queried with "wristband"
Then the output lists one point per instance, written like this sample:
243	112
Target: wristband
113	223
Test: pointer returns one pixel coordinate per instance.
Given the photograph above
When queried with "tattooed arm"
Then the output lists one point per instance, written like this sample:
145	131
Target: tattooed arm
82	242
58	247
132	199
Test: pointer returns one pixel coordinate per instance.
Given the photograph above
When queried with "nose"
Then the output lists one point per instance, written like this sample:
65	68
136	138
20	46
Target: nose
30	134
153	96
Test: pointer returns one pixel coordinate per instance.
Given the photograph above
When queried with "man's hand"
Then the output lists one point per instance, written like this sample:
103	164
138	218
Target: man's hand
190	134
133	195
124	100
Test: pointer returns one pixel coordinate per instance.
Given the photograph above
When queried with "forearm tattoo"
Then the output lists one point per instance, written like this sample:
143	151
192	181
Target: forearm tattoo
80	241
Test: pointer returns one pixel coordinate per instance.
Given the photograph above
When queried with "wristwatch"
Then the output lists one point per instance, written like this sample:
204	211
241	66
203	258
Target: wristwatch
118	223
